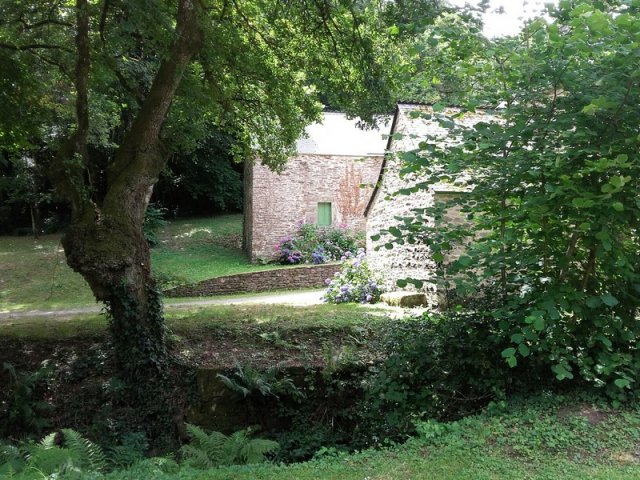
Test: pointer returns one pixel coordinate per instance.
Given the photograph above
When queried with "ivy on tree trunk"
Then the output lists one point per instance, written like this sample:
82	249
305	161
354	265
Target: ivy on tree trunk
105	242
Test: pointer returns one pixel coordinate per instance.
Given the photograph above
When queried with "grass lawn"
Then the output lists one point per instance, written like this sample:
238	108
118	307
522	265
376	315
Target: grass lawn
407	463
217	336
542	438
545	438
196	249
34	274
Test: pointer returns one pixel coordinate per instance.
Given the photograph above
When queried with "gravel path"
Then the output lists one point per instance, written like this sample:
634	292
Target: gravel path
282	298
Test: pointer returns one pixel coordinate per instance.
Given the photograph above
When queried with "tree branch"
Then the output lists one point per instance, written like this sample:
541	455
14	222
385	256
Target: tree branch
66	171
588	271
141	155
103	18
33	46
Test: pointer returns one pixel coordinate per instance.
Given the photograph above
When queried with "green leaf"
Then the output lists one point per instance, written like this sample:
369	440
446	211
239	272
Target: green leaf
523	349
593	302
621	382
581	202
395	232
604	340
464	260
508	352
512	361
609	300
561	372
551	309
517	338
618	206
438	257
402	283
538	323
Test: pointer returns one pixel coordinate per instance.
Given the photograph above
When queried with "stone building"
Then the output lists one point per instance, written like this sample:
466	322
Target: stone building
407	261
321	184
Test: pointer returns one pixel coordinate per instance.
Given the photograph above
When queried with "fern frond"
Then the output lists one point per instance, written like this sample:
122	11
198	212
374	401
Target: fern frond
235	446
234	386
196	458
9	453
257	449
211	444
216	449
49	460
11	460
49	441
88	453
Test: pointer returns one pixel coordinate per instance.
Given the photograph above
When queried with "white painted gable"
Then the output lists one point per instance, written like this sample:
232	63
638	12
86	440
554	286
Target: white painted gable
338	135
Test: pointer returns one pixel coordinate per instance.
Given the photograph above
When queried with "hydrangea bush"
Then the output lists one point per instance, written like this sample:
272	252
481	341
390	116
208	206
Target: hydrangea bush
313	244
354	283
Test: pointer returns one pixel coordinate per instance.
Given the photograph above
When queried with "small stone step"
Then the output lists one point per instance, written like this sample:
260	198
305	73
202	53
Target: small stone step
404	299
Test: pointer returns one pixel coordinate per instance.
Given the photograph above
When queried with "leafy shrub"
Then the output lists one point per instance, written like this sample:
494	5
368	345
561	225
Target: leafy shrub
312	244
67	453
558	236
24	410
355	282
440	367
153	221
216	449
247	381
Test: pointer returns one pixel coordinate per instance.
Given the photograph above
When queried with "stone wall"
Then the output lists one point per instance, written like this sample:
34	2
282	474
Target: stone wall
406	261
276	204
289	278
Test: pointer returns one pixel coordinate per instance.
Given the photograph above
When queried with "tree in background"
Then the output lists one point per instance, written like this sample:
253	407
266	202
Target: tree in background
205	181
553	239
143	79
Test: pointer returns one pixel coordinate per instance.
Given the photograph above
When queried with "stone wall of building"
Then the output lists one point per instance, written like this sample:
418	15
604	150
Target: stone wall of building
276	203
408	260
290	278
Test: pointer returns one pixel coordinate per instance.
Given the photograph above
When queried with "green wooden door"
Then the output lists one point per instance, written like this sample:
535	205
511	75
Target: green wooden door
324	214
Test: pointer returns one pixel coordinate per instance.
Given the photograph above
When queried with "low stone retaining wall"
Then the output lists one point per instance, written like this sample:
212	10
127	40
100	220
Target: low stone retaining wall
307	276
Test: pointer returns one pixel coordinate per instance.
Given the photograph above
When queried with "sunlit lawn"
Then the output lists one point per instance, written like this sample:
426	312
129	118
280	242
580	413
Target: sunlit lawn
34	274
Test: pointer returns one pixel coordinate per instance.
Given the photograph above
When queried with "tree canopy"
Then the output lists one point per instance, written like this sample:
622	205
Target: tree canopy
552	245
115	87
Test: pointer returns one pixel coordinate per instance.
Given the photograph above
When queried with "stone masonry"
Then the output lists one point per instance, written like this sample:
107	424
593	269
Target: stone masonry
336	162
279	203
291	278
406	261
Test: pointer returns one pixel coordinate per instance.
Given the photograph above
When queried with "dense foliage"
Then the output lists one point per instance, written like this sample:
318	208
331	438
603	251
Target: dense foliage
114	88
313	244
552	175
355	282
204	181
441	367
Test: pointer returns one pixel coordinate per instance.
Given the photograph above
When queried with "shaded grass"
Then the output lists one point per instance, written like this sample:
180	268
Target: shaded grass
517	441
221	336
34	274
407	463
195	320
196	249
478	447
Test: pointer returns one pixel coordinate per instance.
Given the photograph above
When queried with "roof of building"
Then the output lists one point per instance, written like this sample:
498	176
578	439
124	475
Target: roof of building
339	135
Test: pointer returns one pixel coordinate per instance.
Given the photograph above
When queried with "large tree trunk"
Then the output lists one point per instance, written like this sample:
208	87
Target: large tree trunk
105	241
113	256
